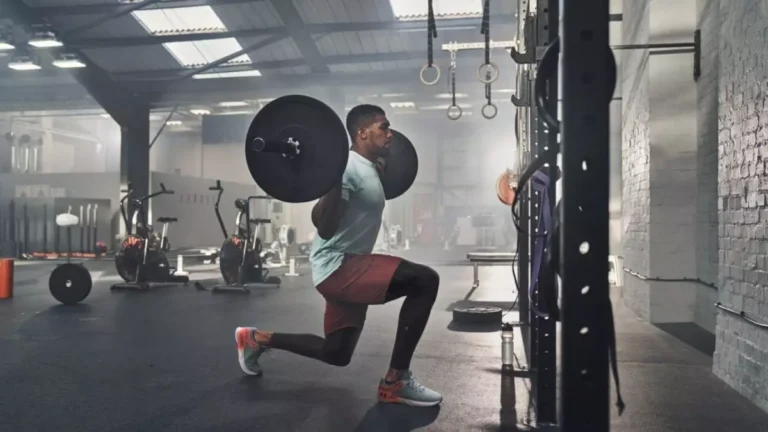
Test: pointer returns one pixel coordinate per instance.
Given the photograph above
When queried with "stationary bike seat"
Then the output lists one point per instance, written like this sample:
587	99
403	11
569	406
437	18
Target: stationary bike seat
260	221
167	219
67	220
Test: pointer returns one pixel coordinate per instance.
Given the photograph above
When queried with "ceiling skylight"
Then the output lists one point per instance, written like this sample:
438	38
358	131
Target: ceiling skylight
417	10
191	20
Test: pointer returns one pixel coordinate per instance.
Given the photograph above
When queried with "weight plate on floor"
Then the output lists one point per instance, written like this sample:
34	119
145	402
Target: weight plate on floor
323	146
402	165
70	283
477	315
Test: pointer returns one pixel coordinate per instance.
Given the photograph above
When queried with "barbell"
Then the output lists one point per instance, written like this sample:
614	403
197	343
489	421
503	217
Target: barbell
297	149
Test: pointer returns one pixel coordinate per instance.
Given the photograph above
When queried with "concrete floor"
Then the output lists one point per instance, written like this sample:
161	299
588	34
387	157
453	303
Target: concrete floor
165	360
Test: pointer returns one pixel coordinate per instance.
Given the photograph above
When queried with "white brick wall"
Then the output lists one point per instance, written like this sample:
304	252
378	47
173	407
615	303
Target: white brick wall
741	357
636	155
706	199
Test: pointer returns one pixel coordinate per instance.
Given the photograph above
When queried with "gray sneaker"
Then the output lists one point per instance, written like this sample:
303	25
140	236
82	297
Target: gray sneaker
248	351
408	391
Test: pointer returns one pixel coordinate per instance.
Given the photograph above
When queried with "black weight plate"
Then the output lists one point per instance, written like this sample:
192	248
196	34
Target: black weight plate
323	146
401	167
477	315
70	283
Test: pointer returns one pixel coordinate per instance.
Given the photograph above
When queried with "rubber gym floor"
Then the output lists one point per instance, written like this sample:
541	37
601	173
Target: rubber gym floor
165	360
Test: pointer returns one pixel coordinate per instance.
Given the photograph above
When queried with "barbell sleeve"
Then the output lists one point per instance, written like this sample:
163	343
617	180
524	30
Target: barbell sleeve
273	146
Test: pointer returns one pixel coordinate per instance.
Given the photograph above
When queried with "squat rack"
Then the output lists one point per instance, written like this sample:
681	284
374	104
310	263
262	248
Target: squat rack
583	213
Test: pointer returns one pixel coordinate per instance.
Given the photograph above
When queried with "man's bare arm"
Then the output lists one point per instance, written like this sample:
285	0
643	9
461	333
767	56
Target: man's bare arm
327	213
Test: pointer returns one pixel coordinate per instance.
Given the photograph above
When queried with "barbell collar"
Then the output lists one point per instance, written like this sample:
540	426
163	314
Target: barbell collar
275	146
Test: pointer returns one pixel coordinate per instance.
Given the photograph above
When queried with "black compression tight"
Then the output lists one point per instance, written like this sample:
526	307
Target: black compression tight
416	282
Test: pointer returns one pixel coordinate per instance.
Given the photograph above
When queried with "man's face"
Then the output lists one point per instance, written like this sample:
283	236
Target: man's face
378	136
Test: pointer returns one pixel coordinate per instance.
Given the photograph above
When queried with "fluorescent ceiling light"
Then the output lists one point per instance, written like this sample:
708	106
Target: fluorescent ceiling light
45	40
106	116
5	45
443	107
393	95
449	96
237	74
199	111
233	104
504	91
402	104
68	61
173	123
417	10
23	64
191	20
235	113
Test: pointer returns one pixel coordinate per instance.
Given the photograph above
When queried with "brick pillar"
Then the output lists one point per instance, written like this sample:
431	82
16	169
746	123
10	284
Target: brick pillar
659	161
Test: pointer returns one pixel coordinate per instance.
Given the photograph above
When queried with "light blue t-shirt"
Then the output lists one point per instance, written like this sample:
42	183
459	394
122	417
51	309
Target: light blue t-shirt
359	227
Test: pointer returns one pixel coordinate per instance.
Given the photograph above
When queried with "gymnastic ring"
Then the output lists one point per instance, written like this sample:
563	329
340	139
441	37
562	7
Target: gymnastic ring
493	112
454	112
491	70
426	68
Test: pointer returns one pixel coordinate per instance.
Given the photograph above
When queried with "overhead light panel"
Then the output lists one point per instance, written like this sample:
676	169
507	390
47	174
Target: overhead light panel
400	105
199	112
233	104
236	74
445	9
23	63
45	39
173	123
106	116
69	61
450	96
5	44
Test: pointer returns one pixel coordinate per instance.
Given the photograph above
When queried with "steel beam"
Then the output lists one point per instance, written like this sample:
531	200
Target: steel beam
108	42
110	95
288	13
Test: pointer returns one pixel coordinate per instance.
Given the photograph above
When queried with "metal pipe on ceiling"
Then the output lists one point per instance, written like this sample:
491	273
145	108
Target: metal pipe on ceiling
109	17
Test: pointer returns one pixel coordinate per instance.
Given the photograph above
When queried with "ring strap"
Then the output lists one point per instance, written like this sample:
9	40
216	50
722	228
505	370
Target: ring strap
485	29
431	34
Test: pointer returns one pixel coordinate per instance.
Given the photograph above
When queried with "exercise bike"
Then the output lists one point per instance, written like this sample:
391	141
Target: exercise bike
241	256
141	258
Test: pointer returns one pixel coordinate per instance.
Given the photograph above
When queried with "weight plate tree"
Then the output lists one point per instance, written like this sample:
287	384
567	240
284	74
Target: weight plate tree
70	283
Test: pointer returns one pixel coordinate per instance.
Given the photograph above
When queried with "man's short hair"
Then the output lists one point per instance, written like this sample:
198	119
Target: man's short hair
360	117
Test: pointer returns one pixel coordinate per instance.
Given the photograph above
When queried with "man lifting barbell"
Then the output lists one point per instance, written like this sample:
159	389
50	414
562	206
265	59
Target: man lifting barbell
348	218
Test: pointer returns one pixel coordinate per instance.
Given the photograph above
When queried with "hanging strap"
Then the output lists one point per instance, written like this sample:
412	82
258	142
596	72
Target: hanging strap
485	29
431	33
612	353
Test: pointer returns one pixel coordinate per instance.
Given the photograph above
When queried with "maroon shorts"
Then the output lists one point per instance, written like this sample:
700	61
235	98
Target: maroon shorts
361	280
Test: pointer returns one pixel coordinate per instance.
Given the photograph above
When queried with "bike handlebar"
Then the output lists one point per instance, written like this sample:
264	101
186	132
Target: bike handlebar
162	191
217	187
220	189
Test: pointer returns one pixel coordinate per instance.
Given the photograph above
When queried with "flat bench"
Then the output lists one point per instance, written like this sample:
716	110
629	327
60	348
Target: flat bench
478	258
